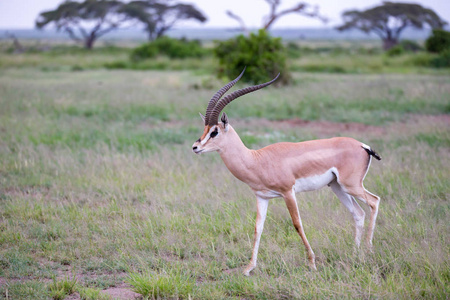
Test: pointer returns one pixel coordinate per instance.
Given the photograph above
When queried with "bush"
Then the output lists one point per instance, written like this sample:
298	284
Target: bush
403	47
442	61
420	60
170	47
395	51
263	55
410	46
293	50
144	51
438	42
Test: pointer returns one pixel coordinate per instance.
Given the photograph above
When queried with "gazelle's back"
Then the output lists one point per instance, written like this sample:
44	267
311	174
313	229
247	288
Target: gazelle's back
290	161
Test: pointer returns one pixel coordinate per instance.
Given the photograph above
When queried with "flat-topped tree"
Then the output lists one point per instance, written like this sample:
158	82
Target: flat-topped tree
160	16
390	19
85	21
276	13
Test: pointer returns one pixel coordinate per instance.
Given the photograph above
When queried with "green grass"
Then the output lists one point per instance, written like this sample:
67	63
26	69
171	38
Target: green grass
339	57
97	179
92	294
162	285
59	289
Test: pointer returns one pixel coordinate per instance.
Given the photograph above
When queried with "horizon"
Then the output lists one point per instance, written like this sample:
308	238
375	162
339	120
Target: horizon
13	16
209	33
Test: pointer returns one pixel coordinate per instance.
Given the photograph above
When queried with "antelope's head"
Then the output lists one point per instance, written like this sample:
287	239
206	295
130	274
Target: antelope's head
215	132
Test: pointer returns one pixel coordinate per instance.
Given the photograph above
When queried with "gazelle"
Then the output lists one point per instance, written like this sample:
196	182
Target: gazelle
283	169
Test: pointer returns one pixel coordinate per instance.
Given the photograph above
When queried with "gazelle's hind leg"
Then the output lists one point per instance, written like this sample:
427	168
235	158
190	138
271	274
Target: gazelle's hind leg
291	203
373	201
354	208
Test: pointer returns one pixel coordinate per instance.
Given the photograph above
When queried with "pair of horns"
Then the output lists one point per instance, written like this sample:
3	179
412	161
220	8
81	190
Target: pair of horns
215	106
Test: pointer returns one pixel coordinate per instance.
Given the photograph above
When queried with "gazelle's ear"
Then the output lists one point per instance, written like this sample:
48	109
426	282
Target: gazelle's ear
224	120
202	116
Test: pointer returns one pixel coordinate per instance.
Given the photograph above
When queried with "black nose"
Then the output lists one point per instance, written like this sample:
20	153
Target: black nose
194	148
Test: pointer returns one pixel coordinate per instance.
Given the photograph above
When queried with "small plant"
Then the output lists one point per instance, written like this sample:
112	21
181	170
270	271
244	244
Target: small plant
162	285
92	294
60	289
263	55
438	42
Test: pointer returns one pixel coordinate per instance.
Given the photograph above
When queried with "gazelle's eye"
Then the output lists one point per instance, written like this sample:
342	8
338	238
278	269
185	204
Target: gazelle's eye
214	133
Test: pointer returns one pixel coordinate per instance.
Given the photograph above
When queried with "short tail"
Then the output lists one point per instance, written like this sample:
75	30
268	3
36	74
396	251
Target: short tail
371	152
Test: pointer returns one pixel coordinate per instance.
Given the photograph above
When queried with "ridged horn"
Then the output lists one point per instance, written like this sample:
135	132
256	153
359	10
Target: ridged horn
218	94
214	117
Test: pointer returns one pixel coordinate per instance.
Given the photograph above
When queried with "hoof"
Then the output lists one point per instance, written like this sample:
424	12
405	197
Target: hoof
248	269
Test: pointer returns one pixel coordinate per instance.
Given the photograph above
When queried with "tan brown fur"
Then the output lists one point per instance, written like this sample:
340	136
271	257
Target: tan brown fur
273	171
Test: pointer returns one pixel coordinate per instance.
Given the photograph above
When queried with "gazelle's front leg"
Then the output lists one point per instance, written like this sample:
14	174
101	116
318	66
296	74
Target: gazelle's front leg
291	203
261	212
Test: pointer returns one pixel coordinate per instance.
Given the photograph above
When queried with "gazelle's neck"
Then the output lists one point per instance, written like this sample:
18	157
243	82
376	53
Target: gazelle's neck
236	156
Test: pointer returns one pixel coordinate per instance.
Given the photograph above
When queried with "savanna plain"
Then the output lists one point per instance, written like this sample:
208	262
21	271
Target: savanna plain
100	191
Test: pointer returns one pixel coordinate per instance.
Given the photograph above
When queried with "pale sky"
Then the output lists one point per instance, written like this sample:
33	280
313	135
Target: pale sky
21	14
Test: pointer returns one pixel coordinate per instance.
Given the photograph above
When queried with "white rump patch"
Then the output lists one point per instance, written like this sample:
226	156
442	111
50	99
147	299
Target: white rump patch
315	182
370	159
366	146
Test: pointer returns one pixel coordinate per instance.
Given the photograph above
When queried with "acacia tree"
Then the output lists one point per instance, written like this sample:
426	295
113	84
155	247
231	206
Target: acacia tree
390	19
275	14
85	21
160	16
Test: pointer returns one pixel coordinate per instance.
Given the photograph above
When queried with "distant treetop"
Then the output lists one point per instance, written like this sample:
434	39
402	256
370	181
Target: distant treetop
390	19
87	21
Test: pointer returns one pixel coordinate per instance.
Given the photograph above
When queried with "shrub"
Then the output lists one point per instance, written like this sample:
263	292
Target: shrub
293	50
403	47
438	42
395	51
410	46
420	60
441	61
144	51
117	65
170	47
263	55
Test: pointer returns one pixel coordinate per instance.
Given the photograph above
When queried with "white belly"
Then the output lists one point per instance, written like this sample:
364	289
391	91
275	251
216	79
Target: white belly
315	182
268	194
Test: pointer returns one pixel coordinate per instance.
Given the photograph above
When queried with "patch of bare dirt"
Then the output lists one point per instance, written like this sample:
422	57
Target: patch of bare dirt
235	271
434	119
122	292
74	296
326	127
2	281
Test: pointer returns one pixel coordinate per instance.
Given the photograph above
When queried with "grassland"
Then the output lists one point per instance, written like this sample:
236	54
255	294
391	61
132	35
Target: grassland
99	188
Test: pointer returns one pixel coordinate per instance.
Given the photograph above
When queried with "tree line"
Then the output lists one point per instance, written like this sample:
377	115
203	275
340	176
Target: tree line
89	20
